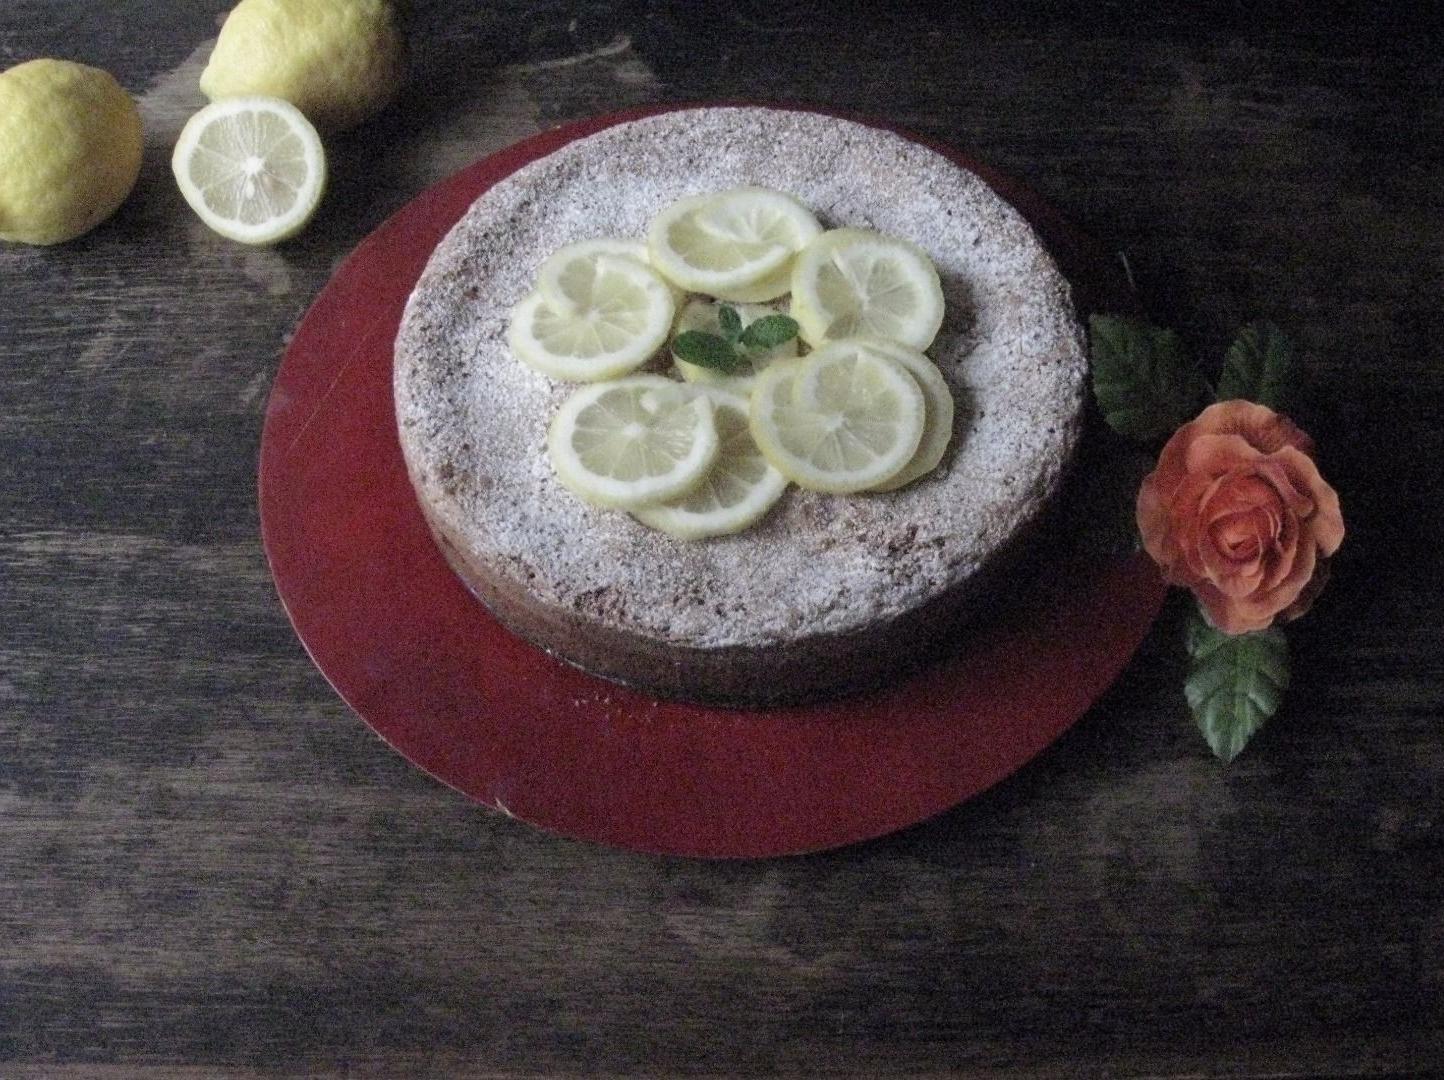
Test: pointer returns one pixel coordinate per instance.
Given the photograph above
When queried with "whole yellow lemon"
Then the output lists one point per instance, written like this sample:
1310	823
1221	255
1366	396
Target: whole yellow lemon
70	148
338	61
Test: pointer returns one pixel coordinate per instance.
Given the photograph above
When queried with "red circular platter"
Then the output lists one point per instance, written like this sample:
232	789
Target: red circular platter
429	669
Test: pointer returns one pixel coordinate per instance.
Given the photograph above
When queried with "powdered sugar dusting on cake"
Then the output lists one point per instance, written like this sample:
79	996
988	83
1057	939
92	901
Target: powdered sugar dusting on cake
474	419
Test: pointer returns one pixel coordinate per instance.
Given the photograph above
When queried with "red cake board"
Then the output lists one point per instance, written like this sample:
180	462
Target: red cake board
428	668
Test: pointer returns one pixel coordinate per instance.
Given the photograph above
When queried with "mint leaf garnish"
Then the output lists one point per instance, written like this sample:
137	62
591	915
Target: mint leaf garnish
1257	365
730	322
705	350
769	332
1143	380
1235	683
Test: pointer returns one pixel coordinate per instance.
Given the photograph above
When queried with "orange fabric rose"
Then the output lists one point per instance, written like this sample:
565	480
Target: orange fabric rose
1237	511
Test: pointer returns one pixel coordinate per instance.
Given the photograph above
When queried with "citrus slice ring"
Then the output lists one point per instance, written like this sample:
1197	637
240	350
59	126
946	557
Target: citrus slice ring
568	276
617	317
738	490
843	419
774	285
252	168
852	282
937	401
734	245
635	441
703	315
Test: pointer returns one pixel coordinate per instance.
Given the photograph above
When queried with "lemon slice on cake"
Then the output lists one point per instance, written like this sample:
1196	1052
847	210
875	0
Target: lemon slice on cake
635	441
616	316
734	245
252	168
566	278
843	419
738	490
705	316
938	405
771	287
851	282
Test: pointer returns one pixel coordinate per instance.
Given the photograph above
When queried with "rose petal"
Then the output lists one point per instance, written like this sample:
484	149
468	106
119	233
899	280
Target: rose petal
1152	517
1237	586
1231	578
1275	523
1306	557
1215	455
1185	521
1269	602
1309	593
1240	492
1292	489
1240	536
1169	473
1285	546
1264	429
1235	537
1226	614
1326	521
1239	504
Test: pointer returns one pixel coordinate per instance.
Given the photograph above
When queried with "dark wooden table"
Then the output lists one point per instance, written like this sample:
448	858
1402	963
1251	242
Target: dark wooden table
209	867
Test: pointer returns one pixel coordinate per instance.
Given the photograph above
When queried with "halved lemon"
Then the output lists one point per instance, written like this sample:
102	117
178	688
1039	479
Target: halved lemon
938	403
734	245
738	490
617	317
843	419
851	282
635	441
252	168
704	315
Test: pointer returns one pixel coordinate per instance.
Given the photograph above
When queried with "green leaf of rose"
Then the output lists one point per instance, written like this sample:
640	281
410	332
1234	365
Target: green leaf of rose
1144	381
1257	366
705	350
730	322
769	332
1235	683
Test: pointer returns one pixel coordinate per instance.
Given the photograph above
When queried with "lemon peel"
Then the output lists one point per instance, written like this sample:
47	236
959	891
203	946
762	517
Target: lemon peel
338	61
70	150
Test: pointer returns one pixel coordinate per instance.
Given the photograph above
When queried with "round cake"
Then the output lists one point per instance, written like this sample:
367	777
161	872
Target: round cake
826	594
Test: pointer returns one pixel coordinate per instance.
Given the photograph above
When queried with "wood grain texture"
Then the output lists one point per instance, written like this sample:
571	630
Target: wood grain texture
208	867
